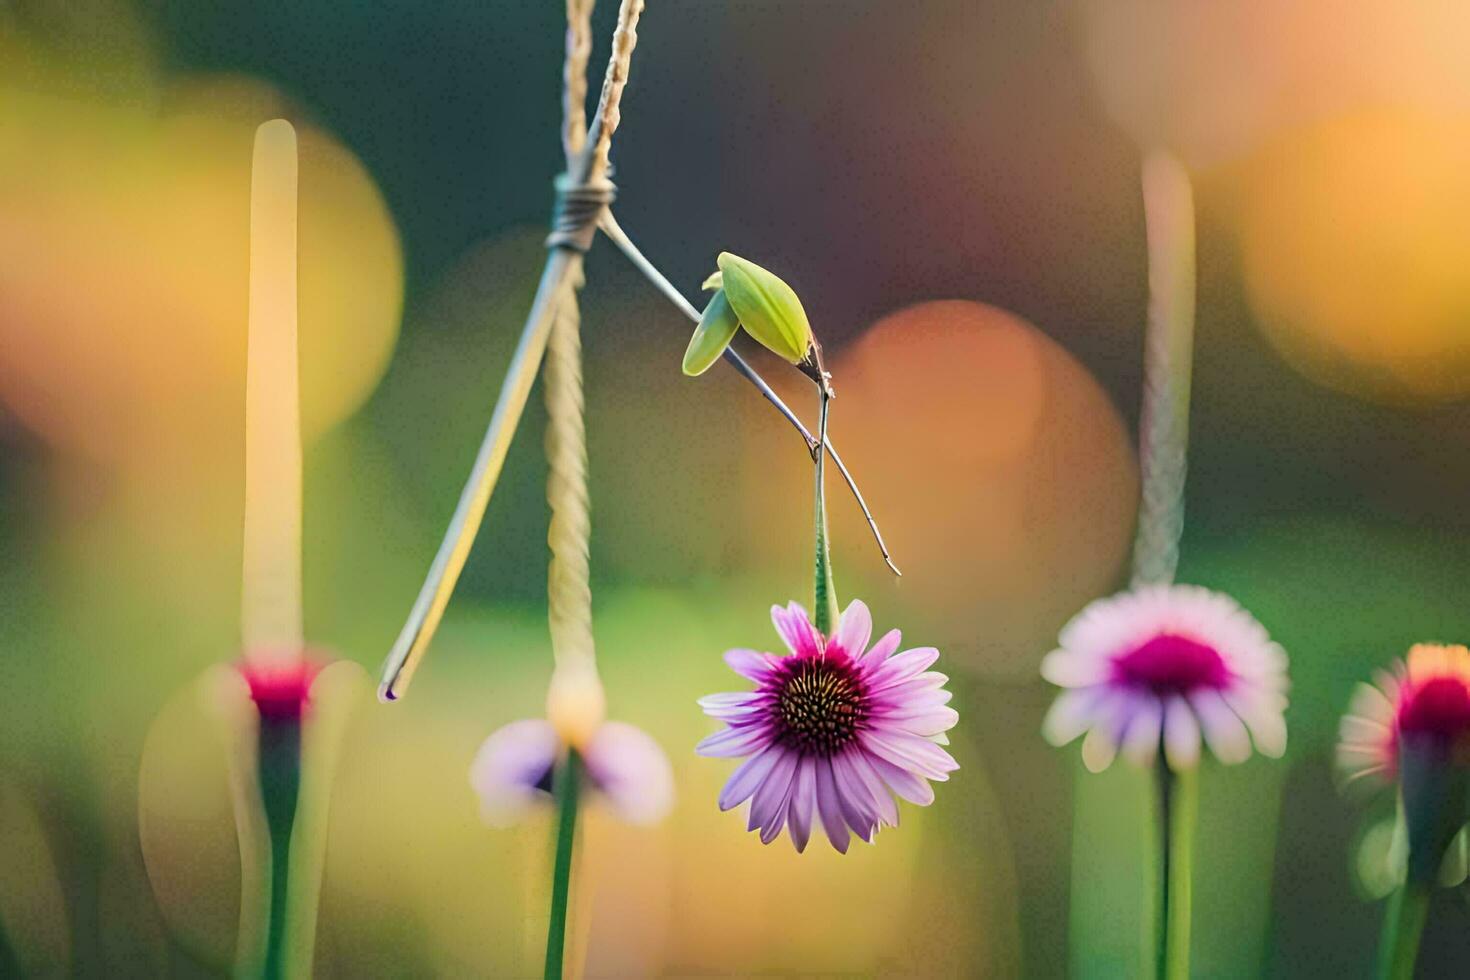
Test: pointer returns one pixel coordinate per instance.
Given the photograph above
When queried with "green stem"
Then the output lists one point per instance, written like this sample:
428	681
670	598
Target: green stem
825	612
280	790
1403	926
568	779
1179	812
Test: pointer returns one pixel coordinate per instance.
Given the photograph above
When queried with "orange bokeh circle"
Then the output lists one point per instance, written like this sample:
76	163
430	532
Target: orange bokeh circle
124	270
1354	236
1000	472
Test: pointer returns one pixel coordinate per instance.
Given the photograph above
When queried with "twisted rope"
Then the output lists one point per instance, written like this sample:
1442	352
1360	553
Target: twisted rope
625	39
1168	360
569	591
574	77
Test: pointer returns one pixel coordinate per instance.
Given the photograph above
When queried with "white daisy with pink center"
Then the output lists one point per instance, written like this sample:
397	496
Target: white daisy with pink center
1167	666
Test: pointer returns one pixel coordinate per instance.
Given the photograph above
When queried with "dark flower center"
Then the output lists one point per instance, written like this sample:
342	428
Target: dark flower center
1171	664
1437	707
820	705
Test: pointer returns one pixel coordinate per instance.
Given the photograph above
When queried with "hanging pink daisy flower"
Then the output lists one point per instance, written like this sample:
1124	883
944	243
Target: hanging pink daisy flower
833	731
1425	700
1164	664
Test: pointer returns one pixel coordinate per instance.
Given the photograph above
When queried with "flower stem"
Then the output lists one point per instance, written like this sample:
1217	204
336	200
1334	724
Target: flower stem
1179	813
1403	925
825	611
280	789
568	779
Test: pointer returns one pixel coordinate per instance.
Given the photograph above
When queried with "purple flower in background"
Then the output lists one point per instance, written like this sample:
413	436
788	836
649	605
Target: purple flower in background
512	770
1162	665
833	730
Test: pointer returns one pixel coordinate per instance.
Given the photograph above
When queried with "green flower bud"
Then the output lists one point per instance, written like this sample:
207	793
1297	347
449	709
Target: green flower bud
768	308
715	331
716	280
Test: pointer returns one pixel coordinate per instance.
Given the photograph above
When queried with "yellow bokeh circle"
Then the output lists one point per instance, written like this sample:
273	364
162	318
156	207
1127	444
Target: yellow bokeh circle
1355	236
124	271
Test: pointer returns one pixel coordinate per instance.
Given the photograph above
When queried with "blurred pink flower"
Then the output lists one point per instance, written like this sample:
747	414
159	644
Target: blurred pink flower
281	689
512	771
1427	696
1164	664
832	730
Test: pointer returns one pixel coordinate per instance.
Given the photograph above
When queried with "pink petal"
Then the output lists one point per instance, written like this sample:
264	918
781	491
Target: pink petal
883	649
771	795
751	664
734	707
902	667
854	629
904	783
631	770
1181	734
508	767
803	802
731	743
1071	714
829	806
1067	669
1098	750
915	754
1263	718
924	722
1141	740
796	629
882	804
747	777
772	830
858	806
1223	730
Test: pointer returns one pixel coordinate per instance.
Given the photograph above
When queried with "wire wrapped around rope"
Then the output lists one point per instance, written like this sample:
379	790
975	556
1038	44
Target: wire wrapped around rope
577	210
